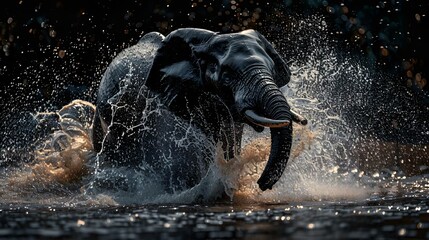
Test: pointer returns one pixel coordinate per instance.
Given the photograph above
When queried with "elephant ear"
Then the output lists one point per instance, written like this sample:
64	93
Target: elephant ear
282	71
175	62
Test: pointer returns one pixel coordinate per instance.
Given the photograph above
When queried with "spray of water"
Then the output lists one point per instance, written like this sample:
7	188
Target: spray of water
60	159
321	166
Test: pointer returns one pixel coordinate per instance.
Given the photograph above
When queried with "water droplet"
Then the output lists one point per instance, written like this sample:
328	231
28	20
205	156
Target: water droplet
417	16
402	232
62	53
52	33
80	223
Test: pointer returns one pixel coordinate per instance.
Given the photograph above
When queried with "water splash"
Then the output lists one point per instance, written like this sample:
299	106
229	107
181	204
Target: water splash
326	85
60	159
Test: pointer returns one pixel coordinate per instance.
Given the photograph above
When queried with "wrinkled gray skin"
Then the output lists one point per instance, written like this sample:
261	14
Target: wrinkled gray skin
200	76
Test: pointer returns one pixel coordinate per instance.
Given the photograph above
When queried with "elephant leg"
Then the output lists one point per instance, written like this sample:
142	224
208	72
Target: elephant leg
175	151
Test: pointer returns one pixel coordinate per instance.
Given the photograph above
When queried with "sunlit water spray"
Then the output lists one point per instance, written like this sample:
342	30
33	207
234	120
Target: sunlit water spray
65	167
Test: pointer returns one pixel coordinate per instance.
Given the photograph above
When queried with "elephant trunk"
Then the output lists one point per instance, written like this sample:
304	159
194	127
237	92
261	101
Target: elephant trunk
281	142
270	102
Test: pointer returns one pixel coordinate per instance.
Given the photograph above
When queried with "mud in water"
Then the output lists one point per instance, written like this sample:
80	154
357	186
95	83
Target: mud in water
61	161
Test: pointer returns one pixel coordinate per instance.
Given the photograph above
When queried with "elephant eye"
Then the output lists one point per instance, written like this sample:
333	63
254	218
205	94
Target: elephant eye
227	77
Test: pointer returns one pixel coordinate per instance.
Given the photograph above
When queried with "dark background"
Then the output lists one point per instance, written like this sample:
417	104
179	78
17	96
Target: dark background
52	52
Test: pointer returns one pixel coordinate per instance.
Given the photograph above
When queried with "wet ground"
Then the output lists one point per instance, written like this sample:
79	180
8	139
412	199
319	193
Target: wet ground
379	217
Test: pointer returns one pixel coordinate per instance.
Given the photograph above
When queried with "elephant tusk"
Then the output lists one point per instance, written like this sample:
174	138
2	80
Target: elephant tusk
298	118
263	121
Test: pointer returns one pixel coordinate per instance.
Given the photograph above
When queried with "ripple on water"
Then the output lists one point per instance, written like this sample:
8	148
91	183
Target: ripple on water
406	217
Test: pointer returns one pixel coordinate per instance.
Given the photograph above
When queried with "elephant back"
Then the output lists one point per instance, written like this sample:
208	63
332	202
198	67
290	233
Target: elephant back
130	66
127	73
122	81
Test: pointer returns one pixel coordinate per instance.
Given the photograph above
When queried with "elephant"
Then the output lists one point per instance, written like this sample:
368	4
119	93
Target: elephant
214	82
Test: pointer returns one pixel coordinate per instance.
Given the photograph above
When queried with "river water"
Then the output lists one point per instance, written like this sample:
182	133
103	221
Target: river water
49	172
390	215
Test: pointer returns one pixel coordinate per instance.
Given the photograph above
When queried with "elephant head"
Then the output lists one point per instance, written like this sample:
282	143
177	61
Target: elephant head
244	70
